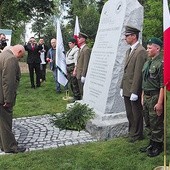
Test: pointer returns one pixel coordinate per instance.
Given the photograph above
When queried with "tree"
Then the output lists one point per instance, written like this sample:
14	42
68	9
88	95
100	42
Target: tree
88	13
15	13
153	19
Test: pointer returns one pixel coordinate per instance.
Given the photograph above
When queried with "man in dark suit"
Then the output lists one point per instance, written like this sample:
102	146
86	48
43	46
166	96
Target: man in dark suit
33	60
82	61
131	85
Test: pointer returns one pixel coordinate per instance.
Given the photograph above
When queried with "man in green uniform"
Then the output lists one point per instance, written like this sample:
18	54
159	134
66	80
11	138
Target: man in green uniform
153	95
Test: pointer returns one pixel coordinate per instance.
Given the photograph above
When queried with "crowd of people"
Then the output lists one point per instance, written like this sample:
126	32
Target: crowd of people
77	60
38	55
141	85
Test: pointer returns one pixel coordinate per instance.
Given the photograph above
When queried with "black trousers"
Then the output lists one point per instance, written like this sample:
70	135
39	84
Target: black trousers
34	67
43	72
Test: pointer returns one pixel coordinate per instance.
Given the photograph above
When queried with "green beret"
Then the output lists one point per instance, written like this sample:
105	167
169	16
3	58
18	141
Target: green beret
73	40
131	30
83	35
155	40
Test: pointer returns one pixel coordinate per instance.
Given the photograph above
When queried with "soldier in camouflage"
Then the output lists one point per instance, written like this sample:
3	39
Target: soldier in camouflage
152	97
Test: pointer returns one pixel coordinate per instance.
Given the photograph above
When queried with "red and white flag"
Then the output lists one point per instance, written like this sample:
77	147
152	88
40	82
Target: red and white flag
76	28
166	36
60	57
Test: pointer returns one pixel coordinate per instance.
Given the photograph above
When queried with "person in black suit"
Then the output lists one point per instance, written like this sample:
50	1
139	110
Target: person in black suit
33	60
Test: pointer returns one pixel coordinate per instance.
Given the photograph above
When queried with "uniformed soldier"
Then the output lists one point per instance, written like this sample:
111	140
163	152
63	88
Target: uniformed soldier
71	62
82	61
153	95
131	84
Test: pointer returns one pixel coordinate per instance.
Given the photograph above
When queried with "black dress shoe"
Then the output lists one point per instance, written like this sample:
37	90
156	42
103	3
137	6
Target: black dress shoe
18	150
155	151
146	148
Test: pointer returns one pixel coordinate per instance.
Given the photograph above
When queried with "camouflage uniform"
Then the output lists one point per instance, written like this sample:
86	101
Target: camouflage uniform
73	82
152	82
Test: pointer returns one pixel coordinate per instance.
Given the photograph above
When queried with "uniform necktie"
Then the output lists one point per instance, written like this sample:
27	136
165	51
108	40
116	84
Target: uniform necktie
146	72
130	51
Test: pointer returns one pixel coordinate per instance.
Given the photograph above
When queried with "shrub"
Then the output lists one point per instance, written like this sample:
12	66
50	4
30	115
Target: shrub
75	117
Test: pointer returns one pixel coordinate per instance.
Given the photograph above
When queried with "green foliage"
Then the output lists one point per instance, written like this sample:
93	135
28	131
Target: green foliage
153	19
75	117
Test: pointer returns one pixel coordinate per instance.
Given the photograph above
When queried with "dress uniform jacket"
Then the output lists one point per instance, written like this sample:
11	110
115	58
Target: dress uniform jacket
132	77
83	61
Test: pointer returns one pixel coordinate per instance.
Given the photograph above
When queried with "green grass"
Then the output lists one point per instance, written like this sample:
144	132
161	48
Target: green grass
39	101
114	154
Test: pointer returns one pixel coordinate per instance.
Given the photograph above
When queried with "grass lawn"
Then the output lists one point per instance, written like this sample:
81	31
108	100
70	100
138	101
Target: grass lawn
114	154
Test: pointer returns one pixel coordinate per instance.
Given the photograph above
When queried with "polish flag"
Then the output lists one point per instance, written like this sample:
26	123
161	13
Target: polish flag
76	28
166	35
60	58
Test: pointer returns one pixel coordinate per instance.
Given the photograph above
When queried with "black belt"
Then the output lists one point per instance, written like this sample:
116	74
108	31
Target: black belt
72	64
151	93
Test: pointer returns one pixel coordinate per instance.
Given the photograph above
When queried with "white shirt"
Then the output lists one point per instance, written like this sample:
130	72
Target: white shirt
133	46
71	55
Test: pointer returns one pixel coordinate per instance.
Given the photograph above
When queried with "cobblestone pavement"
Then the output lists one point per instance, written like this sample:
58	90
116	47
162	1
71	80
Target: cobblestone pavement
37	133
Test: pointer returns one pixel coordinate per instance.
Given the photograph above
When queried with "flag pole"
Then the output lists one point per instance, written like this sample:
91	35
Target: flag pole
165	127
165	131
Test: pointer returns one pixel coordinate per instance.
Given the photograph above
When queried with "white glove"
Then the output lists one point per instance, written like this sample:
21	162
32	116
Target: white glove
133	97
121	93
83	79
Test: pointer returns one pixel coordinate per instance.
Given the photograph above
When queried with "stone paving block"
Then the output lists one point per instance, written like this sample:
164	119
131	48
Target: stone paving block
38	132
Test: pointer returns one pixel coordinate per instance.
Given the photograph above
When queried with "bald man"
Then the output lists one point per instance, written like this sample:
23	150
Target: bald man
9	80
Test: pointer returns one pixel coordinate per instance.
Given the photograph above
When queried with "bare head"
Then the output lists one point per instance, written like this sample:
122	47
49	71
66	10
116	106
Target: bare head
41	41
18	50
53	43
2	36
7	48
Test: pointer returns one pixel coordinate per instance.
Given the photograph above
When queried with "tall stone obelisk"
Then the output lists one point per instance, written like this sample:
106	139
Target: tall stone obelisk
101	89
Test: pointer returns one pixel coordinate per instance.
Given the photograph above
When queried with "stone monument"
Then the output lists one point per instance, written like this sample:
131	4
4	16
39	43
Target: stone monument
101	89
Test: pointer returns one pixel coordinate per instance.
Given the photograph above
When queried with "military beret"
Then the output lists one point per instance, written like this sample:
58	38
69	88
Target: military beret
155	40
131	30
83	35
73	40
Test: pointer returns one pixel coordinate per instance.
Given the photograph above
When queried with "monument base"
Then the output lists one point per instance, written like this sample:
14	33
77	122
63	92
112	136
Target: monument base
109	126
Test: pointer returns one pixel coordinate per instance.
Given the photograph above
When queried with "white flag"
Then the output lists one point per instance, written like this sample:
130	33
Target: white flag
60	57
76	28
